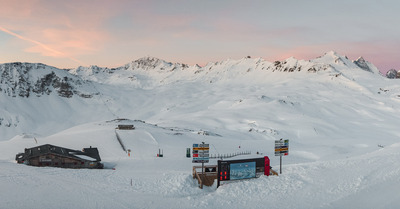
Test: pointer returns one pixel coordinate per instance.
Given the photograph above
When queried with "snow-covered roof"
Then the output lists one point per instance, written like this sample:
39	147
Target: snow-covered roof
85	157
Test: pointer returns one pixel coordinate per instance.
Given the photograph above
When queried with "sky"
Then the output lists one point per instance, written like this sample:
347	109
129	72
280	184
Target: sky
111	33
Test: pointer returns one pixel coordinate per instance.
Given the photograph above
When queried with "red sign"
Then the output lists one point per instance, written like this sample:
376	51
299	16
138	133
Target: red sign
266	166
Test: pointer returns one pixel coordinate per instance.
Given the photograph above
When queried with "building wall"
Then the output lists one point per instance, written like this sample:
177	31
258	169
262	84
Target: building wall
60	161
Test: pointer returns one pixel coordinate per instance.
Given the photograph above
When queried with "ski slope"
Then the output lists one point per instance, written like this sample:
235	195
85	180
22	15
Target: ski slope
144	181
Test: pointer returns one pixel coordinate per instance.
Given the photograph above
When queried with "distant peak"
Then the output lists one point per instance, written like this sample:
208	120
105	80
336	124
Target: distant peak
291	58
361	59
150	62
332	54
149	59
94	67
332	57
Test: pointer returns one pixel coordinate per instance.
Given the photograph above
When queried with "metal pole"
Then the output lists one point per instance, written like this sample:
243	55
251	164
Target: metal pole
202	161
202	172
281	165
202	169
218	174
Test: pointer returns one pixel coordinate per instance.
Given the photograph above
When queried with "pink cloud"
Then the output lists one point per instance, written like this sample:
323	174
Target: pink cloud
39	47
64	33
78	39
16	9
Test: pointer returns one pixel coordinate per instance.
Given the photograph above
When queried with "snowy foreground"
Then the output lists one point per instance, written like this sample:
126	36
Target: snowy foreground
342	125
369	180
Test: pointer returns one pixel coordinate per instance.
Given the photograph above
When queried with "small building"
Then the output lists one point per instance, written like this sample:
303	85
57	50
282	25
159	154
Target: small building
54	156
126	127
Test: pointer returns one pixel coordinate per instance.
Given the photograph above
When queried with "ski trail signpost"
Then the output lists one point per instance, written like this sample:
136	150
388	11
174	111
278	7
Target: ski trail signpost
281	148
201	153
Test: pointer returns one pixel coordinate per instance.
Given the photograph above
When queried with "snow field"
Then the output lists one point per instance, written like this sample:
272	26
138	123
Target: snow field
144	181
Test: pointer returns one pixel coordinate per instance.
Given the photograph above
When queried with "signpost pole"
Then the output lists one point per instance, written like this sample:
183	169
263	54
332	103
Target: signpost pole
202	164
201	155
202	168
202	173
281	148
218	173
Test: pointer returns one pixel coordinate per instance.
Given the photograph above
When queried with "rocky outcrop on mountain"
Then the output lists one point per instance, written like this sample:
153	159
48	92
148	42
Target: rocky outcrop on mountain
293	65
360	62
392	73
52	81
27	79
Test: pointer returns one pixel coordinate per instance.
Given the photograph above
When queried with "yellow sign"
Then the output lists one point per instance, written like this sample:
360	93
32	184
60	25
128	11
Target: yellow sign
201	148
281	149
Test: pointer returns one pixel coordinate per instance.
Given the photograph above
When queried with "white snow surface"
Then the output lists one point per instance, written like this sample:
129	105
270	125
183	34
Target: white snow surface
341	122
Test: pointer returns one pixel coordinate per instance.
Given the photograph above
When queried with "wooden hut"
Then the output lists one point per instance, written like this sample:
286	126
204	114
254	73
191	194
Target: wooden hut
126	127
54	156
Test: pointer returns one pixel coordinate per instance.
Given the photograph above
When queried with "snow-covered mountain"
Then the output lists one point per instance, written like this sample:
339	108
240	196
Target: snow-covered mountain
24	79
340	116
150	72
34	95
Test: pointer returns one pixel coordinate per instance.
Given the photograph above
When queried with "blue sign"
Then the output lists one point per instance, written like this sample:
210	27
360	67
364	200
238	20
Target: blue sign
286	142
244	170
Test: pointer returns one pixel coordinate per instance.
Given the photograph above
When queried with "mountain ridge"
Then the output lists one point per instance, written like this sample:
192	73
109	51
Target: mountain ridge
33	95
144	68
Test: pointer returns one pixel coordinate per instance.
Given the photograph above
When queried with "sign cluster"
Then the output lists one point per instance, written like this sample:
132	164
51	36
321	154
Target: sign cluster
201	153
281	147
